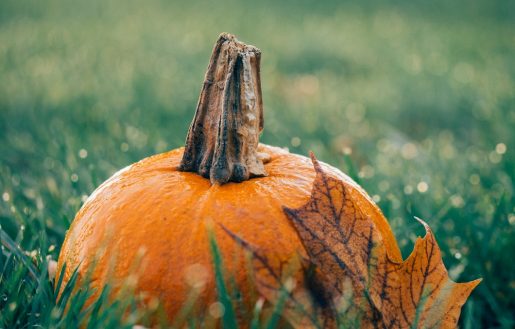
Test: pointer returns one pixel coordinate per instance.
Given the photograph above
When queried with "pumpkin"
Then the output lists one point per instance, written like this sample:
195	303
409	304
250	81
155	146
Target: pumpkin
157	213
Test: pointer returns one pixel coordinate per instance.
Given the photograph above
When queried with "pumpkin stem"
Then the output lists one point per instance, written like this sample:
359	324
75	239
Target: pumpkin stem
223	137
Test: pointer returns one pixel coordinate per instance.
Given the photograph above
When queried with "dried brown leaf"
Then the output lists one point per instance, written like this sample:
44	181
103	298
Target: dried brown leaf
349	281
349	251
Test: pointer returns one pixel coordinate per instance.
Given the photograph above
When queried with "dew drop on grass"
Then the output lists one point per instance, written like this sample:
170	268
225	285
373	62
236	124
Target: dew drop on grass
124	147
408	189
457	201
56	313
196	276
290	284
474	179
511	219
347	150
384	186
83	154
409	151
295	141
500	148
422	187
216	310
260	303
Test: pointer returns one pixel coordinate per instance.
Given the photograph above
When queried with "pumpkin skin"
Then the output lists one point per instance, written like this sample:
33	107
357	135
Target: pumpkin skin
153	212
148	225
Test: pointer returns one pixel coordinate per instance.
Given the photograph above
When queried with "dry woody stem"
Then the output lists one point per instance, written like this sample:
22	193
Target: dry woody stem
224	135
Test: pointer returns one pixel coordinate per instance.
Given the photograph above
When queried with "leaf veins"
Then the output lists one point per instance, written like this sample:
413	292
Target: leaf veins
360	285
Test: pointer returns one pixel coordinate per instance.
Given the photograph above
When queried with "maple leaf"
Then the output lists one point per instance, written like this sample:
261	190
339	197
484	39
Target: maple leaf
352	282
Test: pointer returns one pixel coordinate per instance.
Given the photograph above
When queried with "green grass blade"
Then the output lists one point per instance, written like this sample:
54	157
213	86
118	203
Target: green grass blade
278	309
229	320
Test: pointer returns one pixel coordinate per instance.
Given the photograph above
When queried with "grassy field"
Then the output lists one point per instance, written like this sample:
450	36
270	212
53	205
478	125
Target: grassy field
415	101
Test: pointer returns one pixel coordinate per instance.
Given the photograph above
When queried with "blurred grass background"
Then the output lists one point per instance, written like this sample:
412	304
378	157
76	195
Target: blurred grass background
413	99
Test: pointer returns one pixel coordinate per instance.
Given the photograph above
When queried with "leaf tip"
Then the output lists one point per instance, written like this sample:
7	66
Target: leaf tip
315	162
426	226
233	235
474	283
468	287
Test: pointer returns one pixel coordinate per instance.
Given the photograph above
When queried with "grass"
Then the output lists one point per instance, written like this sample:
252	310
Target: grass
414	100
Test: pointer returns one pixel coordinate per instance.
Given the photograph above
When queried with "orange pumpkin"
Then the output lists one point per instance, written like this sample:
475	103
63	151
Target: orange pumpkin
156	212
